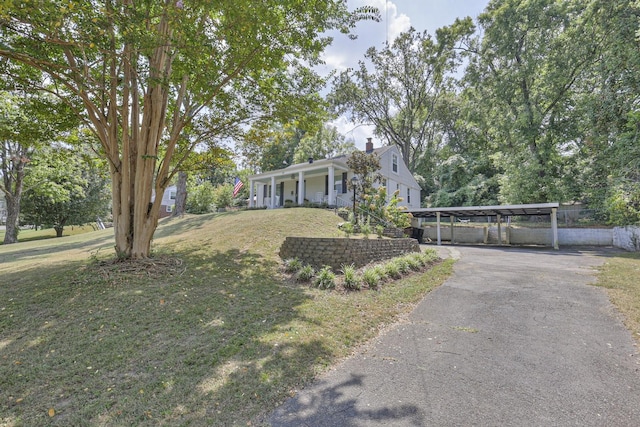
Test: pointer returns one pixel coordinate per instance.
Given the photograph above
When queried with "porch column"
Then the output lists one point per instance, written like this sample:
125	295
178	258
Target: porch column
260	195
554	228
300	188
438	228
331	200
273	192
251	193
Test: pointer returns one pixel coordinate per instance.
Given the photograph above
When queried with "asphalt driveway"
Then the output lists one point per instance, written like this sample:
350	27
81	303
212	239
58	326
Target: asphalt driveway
516	337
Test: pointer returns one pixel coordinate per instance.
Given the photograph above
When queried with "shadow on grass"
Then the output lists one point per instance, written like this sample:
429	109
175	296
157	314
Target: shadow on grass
172	226
214	342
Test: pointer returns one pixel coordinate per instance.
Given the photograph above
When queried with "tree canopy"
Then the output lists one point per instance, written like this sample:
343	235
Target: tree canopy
536	102
141	73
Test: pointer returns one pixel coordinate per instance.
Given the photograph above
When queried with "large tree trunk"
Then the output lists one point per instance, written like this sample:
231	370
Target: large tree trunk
59	229
181	195
13	176
131	137
13	212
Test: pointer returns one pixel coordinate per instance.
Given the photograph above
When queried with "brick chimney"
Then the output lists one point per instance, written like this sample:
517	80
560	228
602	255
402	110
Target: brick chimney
369	146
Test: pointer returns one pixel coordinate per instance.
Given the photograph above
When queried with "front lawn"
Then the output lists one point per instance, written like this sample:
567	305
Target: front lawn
620	275
208	332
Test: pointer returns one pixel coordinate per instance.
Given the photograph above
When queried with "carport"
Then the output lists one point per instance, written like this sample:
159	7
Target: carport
499	212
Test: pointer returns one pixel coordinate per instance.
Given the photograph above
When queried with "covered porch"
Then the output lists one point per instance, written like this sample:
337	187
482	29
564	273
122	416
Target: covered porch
319	182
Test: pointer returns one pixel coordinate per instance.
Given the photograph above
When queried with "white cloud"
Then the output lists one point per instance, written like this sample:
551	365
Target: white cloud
345	53
358	133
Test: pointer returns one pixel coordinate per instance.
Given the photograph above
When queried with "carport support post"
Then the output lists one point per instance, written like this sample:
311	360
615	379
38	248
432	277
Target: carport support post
438	228
451	218
499	230
554	228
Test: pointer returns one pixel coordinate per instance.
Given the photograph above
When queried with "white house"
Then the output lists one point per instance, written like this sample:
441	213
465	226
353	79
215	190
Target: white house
3	209
168	201
325	181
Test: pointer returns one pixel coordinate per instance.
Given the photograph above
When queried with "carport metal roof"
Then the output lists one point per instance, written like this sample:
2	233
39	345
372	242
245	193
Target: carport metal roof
497	211
502	210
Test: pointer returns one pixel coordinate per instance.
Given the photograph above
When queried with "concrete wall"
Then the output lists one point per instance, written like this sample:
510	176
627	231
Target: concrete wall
623	237
460	234
627	238
566	236
335	252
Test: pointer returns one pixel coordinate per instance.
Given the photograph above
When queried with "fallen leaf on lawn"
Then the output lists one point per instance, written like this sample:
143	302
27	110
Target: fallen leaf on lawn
52	412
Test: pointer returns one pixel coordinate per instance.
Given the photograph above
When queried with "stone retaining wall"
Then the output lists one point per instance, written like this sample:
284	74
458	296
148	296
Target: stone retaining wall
336	252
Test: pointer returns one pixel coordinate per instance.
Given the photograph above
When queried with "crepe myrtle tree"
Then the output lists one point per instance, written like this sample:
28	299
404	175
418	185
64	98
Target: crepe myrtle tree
139	73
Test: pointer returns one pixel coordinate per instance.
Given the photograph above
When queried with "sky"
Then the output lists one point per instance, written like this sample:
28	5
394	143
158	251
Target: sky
397	16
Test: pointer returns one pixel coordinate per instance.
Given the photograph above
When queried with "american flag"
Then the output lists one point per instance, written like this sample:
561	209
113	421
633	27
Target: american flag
237	186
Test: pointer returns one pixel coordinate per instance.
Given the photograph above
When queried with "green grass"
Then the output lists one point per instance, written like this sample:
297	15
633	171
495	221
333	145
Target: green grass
208	332
27	235
620	275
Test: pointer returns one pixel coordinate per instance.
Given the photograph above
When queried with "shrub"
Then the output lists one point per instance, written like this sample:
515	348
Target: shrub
415	261
371	277
391	269
348	229
326	279
380	231
429	256
305	274
223	195
292	265
623	205
201	198
403	264
351	279
365	228
380	271
396	213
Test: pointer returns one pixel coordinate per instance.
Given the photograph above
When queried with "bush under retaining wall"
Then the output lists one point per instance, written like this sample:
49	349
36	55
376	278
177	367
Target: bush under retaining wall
336	252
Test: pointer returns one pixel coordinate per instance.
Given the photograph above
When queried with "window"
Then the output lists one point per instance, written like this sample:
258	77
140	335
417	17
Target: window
394	162
172	195
169	208
408	195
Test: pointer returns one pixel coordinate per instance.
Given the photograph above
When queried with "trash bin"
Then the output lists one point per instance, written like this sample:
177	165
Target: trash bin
417	233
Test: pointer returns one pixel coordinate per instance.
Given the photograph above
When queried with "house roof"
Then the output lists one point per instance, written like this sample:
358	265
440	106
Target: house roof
320	166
